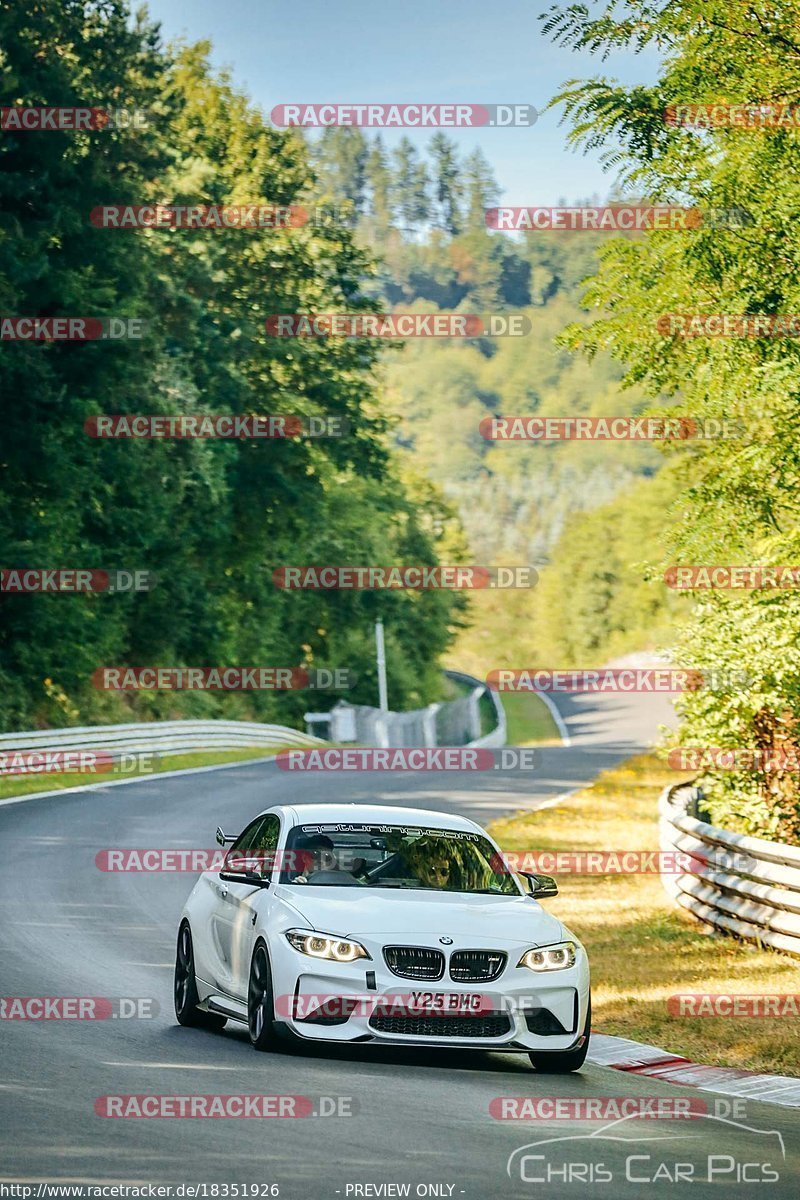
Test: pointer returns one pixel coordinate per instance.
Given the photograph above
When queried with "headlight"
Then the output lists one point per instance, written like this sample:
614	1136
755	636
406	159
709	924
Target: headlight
325	945
550	958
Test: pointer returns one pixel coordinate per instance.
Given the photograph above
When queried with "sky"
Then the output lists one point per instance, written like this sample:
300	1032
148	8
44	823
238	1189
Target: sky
415	51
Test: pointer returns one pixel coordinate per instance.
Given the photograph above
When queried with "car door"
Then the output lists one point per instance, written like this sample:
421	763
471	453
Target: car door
242	901
214	964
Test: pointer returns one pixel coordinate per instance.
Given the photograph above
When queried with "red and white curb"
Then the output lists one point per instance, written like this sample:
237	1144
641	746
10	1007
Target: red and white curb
640	1059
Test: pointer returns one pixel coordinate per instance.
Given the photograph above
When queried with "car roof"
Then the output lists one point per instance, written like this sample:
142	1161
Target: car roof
369	814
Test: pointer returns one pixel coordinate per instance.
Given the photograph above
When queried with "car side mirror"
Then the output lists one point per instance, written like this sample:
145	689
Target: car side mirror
251	877
540	886
256	879
224	839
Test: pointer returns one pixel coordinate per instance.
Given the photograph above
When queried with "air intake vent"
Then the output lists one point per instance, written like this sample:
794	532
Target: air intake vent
476	966
491	1025
414	962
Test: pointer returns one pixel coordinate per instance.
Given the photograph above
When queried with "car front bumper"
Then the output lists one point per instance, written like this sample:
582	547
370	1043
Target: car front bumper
365	1002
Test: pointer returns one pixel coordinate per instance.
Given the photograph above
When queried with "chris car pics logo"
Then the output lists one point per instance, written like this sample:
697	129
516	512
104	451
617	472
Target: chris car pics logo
635	1151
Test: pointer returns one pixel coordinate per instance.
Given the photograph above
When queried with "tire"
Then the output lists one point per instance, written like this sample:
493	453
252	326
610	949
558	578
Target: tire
185	990
562	1062
261	1002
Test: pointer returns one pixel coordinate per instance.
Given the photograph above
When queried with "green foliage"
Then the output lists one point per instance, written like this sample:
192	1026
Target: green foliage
341	156
756	635
411	186
597	597
210	519
519	503
447	183
740	495
514	498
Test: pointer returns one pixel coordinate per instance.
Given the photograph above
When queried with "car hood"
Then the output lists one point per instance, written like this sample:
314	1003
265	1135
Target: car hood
354	912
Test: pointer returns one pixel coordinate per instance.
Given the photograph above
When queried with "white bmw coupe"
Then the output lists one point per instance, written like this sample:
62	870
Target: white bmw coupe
369	924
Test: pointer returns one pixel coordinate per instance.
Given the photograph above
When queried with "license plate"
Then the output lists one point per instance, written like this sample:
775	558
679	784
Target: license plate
447	1002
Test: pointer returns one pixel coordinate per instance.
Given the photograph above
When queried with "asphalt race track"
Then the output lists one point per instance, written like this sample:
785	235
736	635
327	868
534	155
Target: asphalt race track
421	1118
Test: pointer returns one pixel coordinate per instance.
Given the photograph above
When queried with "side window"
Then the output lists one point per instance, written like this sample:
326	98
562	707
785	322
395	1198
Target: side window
255	849
244	842
265	845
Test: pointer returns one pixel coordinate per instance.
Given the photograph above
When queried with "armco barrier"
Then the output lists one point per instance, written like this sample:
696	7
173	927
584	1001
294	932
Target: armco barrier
451	723
480	693
754	894
158	737
455	722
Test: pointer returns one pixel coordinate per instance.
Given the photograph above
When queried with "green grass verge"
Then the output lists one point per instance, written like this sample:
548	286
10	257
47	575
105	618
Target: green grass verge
642	947
529	720
23	785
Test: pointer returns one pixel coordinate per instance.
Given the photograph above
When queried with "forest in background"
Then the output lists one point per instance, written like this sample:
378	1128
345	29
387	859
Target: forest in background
738	501
586	515
210	519
414	482
606	520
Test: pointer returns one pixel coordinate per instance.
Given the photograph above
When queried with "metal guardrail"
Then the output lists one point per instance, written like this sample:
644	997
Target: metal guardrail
481	694
452	723
164	737
456	722
747	886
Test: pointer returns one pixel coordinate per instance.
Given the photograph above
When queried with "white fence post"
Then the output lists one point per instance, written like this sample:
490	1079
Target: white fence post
429	724
475	713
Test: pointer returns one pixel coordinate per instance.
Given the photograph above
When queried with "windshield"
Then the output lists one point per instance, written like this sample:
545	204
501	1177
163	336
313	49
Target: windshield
395	856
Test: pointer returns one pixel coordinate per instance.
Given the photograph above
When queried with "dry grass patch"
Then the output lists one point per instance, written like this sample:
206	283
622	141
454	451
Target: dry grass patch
643	948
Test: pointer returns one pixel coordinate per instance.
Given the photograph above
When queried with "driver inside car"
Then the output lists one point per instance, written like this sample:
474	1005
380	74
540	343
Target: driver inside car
434	863
315	855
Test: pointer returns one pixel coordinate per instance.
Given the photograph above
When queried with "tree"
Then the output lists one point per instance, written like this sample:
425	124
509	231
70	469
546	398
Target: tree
480	187
446	183
210	519
340	156
379	184
410	198
740	500
58	502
